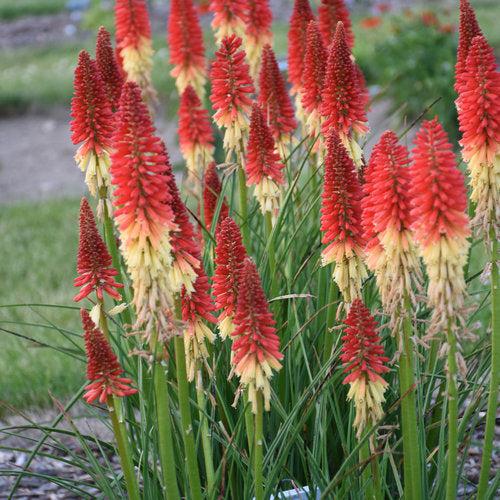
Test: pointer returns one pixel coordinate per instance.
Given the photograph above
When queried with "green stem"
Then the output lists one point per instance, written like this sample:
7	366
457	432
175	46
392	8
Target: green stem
186	422
259	449
205	436
451	482
245	228
126	462
333	296
411	454
495	373
271	254
367	483
249	423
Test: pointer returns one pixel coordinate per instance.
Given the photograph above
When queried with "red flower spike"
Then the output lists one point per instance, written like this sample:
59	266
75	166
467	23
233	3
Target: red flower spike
274	99
341	220
108	67
343	103
231	90
133	40
364	361
229	18
387	221
196	307
263	167
439	221
103	368
92	123
297	35
195	133
313	78
256	348
229	256
258	20
330	12
187	52
211	192
144	216
94	266
479	118
468	29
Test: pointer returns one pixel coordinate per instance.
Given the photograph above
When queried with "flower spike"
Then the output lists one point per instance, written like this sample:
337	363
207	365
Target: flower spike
364	361
144	217
263	167
229	18
92	126
390	249
229	256
195	134
211	192
343	100
94	266
256	348
341	220
187	52
108	67
134	44
479	117
103	368
313	79
258	32
197	307
440	224
330	12
231	90
275	101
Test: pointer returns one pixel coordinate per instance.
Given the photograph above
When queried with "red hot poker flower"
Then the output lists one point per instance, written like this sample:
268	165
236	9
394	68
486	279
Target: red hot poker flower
187	52
256	350
341	220
275	101
135	48
92	123
468	29
263	167
195	133
211	193
330	12
479	117
343	102
103	368
231	90
108	67
94	266
258	32
229	256
439	221
364	361
229	18
313	78
297	34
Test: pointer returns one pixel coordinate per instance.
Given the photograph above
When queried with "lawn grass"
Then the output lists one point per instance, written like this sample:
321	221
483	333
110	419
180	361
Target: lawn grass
13	9
38	246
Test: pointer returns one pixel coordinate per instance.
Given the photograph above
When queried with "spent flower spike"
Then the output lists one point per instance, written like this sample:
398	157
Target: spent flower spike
92	125
479	118
134	44
256	348
330	12
185	41
229	257
364	361
211	192
232	87
144	217
263	167
341	220
440	225
229	18
196	138
94	265
103	368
